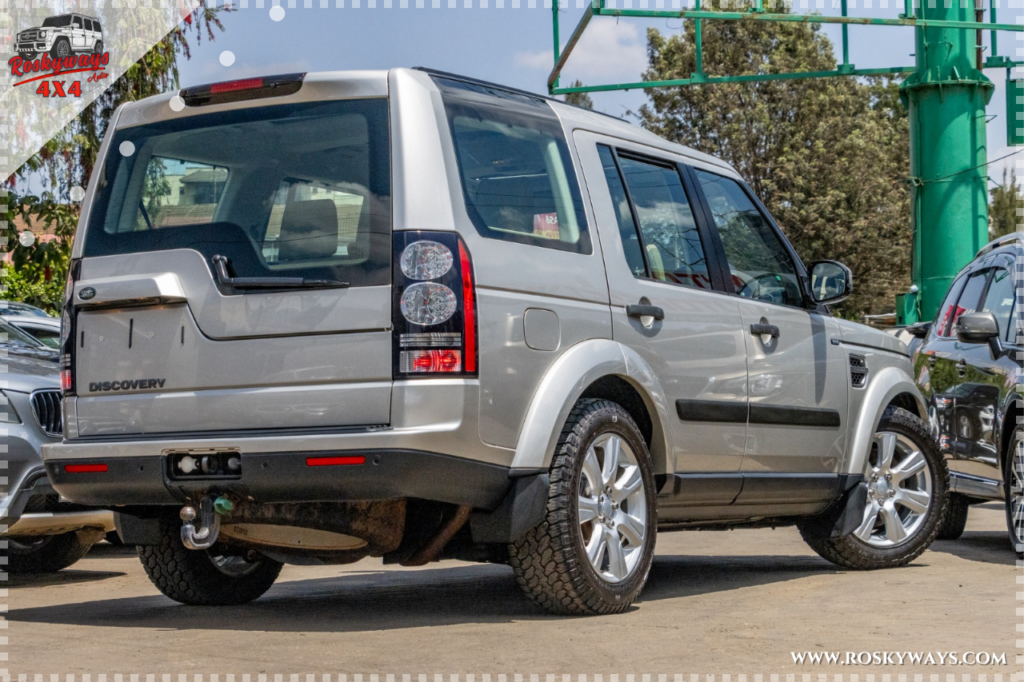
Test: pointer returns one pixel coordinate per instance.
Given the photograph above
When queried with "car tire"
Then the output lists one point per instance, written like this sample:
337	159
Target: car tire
954	519
905	459
27	56
45	554
98	47
199	578
61	49
602	495
1013	489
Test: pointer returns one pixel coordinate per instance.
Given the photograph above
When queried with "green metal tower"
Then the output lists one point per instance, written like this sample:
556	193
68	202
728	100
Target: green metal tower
946	94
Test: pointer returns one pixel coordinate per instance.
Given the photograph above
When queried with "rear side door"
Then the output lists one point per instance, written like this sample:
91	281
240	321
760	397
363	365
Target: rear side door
665	306
798	378
167	339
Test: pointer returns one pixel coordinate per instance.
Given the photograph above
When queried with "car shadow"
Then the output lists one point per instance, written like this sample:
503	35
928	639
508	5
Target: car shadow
400	599
991	547
65	577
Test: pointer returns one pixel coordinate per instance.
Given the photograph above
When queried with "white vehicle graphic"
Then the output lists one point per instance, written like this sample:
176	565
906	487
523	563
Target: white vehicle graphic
61	36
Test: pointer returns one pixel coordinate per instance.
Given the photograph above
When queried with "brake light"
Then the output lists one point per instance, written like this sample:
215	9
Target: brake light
468	307
244	89
85	468
235	86
67	330
434	306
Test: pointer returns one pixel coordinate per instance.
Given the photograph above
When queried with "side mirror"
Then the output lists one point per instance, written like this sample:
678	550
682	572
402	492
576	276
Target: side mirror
919	330
980	328
831	281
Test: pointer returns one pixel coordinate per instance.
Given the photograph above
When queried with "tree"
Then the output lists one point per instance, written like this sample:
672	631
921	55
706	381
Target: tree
67	161
828	156
1006	212
580	99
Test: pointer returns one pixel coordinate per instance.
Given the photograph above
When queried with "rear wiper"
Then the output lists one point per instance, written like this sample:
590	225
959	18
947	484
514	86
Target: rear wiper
220	264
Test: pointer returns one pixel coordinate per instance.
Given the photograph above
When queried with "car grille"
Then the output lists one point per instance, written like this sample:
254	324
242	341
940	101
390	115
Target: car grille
46	405
28	35
858	371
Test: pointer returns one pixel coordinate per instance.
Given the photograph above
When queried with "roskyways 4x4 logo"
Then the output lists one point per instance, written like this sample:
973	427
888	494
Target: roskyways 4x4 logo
63	45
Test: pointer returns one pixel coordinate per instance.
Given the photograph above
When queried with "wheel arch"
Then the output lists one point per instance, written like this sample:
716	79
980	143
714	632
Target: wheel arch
599	368
1011	418
889	387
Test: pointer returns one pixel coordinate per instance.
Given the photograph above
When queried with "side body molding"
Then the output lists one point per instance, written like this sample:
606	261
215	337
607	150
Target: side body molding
565	382
885	385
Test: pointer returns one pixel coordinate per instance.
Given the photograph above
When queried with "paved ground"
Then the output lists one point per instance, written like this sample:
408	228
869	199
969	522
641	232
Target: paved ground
723	602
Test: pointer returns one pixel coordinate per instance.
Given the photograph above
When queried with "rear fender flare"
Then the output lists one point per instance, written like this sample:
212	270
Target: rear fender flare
570	375
885	385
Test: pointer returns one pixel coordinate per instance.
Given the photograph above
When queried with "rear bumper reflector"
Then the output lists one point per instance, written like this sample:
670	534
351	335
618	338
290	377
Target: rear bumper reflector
350	460
85	468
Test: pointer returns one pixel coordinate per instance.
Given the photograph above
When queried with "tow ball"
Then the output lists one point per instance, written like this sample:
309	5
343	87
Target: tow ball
210	511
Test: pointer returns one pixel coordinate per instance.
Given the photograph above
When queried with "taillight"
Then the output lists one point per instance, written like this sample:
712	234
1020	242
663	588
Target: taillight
247	88
434	306
67	330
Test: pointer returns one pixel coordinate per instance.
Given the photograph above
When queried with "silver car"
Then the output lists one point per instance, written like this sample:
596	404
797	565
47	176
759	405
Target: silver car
42	533
317	317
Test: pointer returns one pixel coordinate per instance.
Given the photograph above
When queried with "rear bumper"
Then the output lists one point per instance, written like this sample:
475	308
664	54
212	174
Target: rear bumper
287	477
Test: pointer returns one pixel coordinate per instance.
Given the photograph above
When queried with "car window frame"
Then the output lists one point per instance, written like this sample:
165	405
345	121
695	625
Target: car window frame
711	257
985	272
1006	264
802	276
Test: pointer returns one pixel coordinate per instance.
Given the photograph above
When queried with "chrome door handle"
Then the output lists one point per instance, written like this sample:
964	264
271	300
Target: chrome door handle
639	310
762	329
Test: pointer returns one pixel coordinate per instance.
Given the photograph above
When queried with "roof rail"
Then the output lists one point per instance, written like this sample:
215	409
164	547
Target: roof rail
1001	241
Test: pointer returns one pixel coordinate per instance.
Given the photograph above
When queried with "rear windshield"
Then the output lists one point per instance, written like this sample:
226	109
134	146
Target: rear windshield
517	175
299	190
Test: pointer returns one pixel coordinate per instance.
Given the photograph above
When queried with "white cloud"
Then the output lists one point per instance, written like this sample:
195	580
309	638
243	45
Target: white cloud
607	51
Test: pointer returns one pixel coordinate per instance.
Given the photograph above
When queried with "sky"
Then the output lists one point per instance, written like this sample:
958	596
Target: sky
510	42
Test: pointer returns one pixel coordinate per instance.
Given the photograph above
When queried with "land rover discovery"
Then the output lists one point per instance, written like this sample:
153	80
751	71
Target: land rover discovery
410	315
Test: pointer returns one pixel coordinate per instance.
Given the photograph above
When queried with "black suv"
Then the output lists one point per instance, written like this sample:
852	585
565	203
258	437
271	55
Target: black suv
968	366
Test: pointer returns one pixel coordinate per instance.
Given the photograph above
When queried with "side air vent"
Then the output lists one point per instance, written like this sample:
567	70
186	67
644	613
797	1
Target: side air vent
858	371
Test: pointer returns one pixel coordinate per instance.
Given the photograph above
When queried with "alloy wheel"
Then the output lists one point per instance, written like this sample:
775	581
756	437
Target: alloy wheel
1016	500
899	491
612	508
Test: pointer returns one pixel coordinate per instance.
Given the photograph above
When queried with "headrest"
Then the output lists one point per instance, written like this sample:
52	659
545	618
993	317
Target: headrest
309	230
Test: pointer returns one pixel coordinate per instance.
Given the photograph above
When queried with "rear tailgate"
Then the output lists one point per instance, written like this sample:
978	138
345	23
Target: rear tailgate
296	199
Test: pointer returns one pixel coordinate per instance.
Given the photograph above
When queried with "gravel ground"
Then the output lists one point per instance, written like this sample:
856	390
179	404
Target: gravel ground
736	602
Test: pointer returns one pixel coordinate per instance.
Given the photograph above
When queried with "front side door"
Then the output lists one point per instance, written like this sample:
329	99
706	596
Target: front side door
935	372
665	307
798	379
985	380
77	33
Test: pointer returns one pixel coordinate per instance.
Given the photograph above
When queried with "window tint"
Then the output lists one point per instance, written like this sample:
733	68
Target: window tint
670	238
999	300
90	24
627	228
77	22
176	192
761	267
296	190
968	302
517	176
948	308
57	22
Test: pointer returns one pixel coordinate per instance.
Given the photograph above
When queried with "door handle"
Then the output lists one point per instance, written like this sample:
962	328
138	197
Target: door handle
640	310
961	367
932	360
763	329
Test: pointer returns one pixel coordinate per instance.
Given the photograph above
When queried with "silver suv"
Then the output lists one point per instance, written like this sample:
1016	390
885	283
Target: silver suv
409	315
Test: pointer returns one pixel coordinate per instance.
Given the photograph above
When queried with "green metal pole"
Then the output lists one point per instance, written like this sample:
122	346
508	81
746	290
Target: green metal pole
698	43
946	98
554	27
846	38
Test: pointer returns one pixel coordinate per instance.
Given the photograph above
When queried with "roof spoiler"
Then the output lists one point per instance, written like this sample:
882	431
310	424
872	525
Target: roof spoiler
244	89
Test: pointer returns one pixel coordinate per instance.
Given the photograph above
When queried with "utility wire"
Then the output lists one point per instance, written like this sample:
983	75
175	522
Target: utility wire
968	170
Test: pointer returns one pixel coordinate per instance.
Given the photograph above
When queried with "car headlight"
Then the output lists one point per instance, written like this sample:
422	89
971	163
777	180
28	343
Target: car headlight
7	413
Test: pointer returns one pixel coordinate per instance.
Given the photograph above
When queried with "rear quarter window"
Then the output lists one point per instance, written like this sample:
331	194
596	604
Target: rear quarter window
517	175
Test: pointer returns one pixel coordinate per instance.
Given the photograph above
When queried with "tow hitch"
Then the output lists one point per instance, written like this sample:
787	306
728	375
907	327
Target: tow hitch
210	511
